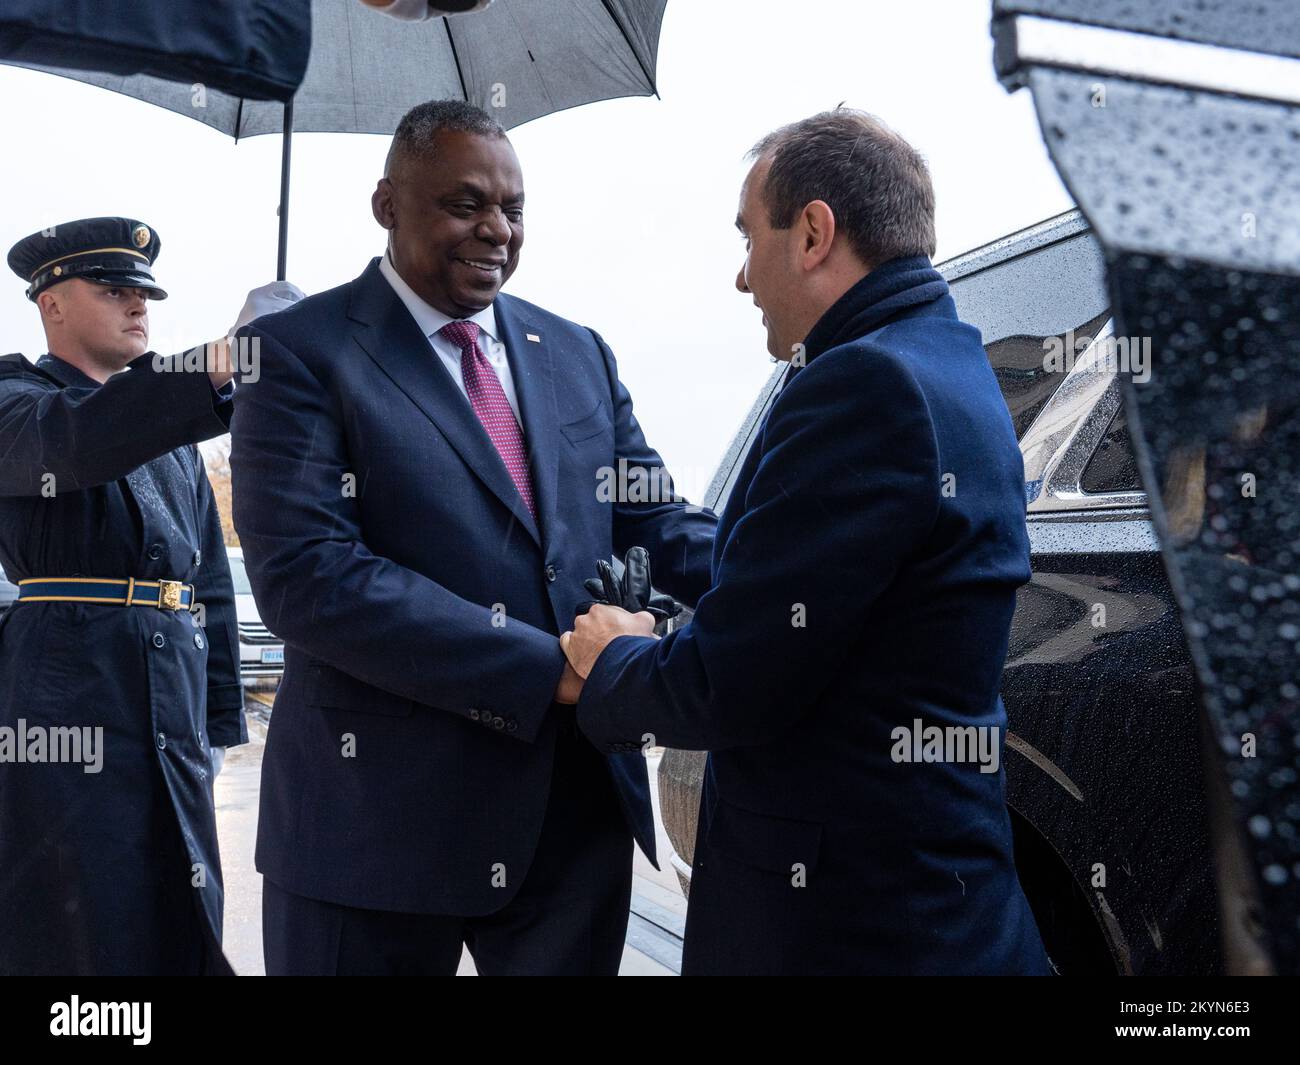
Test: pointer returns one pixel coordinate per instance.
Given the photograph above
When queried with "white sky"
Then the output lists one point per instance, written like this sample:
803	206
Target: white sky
630	202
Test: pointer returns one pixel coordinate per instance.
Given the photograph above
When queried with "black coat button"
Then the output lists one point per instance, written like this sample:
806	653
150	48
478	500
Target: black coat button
155	551
159	640
511	726
473	715
198	557
550	574
498	723
198	641
162	742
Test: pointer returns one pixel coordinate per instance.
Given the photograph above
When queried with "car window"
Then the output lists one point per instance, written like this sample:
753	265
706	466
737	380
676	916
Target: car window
1113	467
1026	372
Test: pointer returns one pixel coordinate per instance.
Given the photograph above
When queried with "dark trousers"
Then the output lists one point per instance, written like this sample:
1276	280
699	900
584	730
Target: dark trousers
569	916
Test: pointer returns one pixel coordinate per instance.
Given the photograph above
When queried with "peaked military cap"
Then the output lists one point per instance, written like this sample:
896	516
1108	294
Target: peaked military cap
108	251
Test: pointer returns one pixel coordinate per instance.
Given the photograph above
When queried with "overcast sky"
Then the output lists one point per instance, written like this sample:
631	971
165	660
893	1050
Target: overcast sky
630	202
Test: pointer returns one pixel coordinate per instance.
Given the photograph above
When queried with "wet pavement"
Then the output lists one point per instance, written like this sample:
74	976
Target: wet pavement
654	928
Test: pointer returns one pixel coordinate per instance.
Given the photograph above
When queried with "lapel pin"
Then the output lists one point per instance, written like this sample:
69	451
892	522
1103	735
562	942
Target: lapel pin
533	337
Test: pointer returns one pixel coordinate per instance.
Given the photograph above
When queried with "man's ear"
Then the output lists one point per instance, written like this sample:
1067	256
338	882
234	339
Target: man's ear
818	233
51	306
381	204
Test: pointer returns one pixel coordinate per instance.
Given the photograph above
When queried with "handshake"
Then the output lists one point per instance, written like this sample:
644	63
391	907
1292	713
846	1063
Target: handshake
620	607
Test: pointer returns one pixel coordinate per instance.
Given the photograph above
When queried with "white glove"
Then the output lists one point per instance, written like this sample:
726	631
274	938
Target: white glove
267	299
218	756
419	10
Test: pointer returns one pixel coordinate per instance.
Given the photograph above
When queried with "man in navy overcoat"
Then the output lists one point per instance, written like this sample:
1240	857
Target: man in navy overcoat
843	667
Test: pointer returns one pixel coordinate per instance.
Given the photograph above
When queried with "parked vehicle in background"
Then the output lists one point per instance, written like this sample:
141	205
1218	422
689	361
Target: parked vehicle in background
1104	779
261	654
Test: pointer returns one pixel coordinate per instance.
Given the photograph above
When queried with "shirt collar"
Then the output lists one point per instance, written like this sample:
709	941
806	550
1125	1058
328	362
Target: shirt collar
428	317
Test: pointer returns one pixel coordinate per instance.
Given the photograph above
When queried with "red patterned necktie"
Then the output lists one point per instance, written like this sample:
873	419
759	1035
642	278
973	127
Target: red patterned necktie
488	399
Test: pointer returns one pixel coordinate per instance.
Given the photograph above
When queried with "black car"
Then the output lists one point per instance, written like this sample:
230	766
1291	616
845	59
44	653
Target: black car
1104	776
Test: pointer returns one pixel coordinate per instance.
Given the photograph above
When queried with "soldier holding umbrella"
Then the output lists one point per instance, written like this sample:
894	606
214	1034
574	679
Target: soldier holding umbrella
112	692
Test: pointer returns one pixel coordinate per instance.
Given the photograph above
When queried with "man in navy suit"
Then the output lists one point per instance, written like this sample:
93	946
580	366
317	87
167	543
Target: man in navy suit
417	487
843	668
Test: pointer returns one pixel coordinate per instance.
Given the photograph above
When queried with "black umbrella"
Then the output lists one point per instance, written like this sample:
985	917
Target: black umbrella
517	59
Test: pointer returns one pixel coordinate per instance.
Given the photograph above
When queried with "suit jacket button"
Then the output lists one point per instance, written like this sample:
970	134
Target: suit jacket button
473	715
498	722
162	742
159	640
155	551
198	557
511	726
550	574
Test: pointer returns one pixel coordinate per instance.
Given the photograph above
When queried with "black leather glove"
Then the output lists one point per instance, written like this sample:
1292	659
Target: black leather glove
633	593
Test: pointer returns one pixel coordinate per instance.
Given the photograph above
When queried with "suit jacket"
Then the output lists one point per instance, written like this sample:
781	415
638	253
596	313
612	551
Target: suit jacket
409	754
864	579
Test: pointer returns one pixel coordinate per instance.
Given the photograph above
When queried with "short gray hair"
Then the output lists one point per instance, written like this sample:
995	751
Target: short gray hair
417	132
875	183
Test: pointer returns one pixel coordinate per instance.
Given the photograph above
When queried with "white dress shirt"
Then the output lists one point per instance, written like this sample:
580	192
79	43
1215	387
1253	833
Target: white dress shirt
430	320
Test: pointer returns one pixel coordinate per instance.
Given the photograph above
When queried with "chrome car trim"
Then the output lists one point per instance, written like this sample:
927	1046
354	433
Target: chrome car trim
1062	438
1143	57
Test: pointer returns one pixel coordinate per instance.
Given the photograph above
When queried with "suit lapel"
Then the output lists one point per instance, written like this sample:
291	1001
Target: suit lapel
388	334
532	367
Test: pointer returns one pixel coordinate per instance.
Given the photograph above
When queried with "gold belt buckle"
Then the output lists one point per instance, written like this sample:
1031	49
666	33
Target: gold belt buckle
169	595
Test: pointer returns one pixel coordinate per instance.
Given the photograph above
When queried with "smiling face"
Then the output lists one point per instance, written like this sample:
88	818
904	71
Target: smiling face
455	219
98	328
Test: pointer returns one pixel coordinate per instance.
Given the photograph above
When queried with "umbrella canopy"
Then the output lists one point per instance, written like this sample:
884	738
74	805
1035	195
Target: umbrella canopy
518	60
256	48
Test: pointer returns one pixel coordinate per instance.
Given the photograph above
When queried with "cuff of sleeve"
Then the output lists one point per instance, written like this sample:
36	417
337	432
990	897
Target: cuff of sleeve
528	696
226	725
223	402
227	729
225	697
604	712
